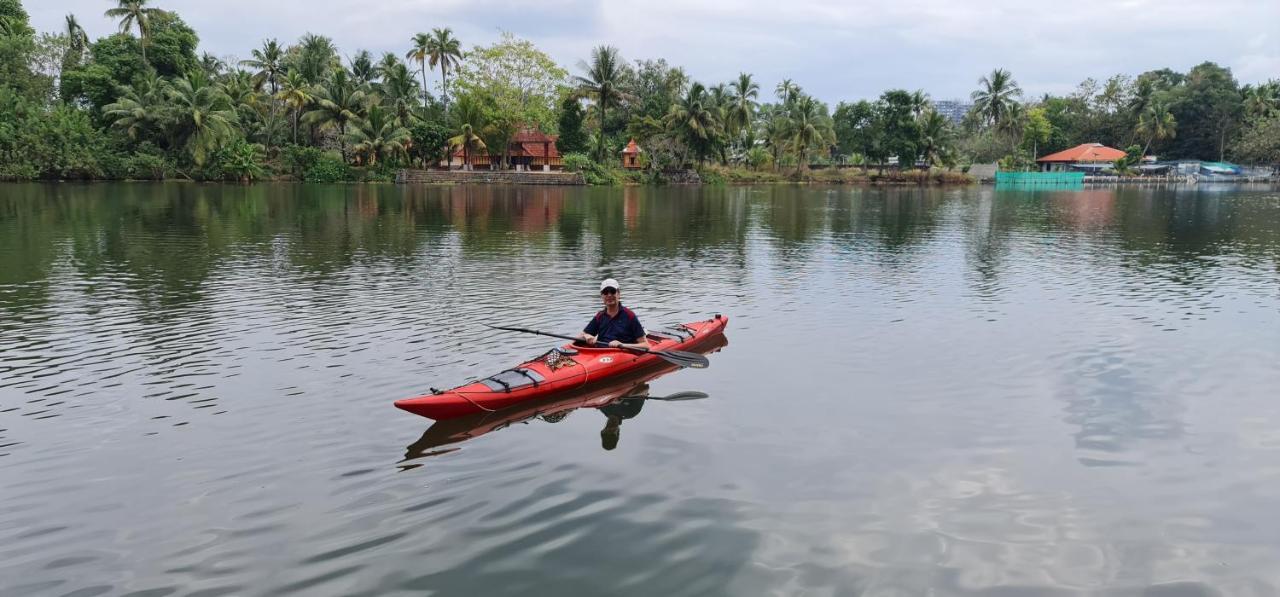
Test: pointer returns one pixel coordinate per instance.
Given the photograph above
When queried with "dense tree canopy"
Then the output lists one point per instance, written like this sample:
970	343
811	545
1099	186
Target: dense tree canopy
144	102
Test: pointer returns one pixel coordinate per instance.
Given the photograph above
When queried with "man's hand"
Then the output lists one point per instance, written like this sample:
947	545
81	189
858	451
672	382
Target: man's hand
615	344
588	338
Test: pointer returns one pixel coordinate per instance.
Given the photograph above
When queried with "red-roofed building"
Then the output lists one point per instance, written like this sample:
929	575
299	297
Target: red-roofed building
631	156
530	149
1085	156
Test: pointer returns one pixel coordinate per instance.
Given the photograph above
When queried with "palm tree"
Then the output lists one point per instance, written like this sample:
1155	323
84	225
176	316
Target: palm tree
202	115
135	13
742	107
809	130
269	62
1156	124
78	40
212	65
693	119
389	61
601	83
418	53
935	137
399	91
317	56
338	103
919	103
446	52
140	108
379	136
469	121
998	92
362	68
787	91
296	94
776	129
1261	100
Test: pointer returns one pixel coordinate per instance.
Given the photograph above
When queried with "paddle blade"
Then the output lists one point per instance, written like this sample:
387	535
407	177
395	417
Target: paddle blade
682	396
681	358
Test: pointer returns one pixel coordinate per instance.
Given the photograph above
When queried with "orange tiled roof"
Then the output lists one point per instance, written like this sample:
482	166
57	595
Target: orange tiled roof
1086	152
631	147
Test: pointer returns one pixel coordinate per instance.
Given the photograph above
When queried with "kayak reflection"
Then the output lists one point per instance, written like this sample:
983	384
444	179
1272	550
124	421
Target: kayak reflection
618	399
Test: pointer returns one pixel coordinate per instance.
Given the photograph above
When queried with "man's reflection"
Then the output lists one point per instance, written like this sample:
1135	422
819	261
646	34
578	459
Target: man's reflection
615	412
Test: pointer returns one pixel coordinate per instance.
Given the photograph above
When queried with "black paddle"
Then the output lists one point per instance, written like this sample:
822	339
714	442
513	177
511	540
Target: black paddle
677	396
675	357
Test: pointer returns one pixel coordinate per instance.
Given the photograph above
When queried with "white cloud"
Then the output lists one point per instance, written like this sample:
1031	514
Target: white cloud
836	50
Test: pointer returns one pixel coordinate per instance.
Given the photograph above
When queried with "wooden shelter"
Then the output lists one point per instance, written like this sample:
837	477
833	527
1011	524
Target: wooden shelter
631	156
530	149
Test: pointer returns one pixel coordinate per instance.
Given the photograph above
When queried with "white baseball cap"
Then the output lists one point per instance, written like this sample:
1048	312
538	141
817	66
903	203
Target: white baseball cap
610	283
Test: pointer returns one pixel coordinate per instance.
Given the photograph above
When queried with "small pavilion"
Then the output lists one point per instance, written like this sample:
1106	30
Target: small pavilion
631	156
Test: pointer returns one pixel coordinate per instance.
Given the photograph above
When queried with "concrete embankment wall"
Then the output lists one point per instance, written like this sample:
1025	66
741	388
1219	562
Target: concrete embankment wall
488	177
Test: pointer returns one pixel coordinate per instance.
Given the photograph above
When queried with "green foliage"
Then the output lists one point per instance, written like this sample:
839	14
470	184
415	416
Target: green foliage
115	62
1208	109
17	45
238	161
1016	162
53	143
171	49
329	168
519	82
313	164
1259	143
593	172
430	142
572	139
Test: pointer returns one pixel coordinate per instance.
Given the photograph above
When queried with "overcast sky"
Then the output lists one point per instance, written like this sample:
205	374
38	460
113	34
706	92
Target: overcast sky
835	50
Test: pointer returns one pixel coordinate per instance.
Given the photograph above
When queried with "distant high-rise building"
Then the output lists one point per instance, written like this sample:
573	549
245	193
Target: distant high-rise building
954	109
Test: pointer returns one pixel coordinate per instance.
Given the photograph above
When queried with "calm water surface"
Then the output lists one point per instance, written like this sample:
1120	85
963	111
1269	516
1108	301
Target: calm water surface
925	392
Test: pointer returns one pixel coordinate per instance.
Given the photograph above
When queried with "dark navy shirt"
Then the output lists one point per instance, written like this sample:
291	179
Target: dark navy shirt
625	327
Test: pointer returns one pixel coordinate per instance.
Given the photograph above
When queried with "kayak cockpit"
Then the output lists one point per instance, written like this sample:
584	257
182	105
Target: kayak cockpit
513	379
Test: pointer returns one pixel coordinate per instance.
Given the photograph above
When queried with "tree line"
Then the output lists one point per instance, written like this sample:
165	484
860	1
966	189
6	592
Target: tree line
143	103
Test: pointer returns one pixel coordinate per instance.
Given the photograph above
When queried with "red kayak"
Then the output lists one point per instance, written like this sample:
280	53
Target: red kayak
594	395
561	369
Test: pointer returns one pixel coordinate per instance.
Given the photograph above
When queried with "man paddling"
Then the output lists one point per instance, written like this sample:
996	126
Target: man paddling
616	325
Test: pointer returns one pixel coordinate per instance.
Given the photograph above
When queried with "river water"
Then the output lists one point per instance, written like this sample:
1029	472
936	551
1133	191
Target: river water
924	392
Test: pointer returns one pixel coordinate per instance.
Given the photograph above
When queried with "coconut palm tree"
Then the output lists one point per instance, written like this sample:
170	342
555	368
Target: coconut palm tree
601	83
935	137
201	115
269	62
362	69
135	13
469	122
1156	124
997	94
317	57
787	91
77	39
809	130
296	94
445	51
693	119
775	131
337	103
1261	100
399	91
140	108
919	103
388	61
379	136
742	106
419	53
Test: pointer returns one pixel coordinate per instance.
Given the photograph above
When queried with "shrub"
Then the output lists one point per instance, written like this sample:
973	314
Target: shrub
239	160
312	164
593	173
